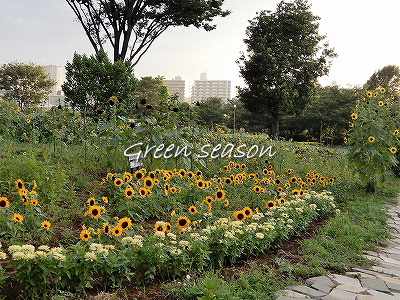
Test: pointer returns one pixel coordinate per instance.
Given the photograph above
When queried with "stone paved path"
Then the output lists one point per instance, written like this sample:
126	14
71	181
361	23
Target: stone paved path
381	281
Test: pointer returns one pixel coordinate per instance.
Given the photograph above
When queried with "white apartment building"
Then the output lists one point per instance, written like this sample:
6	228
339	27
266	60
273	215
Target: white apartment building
204	88
56	96
176	86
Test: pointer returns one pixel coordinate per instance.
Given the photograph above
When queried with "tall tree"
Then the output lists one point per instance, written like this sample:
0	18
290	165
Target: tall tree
284	60
152	89
28	84
387	77
91	81
131	26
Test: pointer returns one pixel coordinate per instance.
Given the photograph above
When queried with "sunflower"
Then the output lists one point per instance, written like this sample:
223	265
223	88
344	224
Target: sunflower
381	103
168	227
219	195
117	231
94	211
228	180
290	171
139	174
18	218
124	223
173	190
19	184
239	215
192	210
396	132
105	199
127	177
208	200
148	182
393	150
190	174
279	189
226	202
182	173
351	125
199	173
166	189
369	94
106	228
281	201
34	202
257	189
295	192
248	212
200	184
270	204
152	175
182	222
382	90
143	192
159	227
91	201
129	192
4	203
85	235
46	225
118	181
371	139
354	116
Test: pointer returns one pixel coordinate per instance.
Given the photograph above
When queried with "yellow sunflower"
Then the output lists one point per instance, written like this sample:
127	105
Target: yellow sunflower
354	116
182	222
396	132
239	215
382	90
18	218
85	235
219	195
139	174
226	202
148	182
369	94
94	211
270	204
106	228
393	150
124	223
118	181
91	201
248	212
117	231
129	192
209	200
143	192
4	203
192	210
200	184
46	225
371	139
19	184
380	103
128	177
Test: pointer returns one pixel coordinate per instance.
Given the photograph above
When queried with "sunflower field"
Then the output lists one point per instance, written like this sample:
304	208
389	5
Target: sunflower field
75	217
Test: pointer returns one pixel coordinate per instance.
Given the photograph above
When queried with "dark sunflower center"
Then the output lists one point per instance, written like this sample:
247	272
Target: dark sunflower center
270	204
124	224
149	182
86	236
95	212
129	193
91	203
3	203
168	227
219	194
159	228
247	212
182	222
240	216
19	185
139	175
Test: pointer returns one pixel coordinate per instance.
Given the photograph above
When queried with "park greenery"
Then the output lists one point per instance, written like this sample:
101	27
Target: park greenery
77	216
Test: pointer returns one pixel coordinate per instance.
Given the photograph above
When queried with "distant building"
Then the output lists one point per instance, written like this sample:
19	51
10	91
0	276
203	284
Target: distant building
176	86
204	88
56	96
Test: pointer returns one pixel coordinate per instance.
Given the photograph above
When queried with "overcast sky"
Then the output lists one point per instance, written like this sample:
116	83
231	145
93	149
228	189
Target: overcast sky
365	35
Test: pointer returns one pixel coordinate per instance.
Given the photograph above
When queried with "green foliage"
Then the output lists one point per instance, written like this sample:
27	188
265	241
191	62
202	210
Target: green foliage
373	138
211	111
132	26
152	89
28	84
284	61
325	117
91	81
388	77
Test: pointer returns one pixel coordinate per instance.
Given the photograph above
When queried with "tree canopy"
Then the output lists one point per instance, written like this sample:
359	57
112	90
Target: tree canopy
284	60
152	89
91	81
131	26
388	77
28	84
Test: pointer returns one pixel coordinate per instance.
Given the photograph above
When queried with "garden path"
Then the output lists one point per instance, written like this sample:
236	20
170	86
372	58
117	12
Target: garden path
380	282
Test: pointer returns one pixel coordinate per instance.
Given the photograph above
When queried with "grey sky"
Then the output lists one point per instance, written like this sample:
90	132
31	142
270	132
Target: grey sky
365	35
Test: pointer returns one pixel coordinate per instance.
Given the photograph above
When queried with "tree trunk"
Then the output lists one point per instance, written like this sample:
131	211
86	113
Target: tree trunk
275	127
